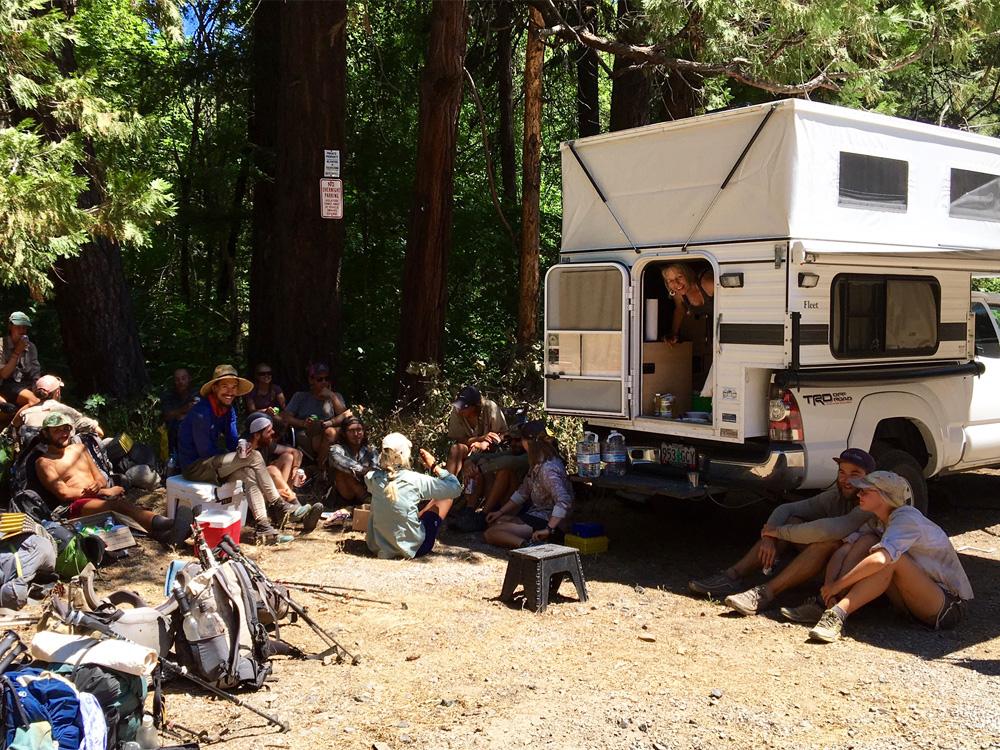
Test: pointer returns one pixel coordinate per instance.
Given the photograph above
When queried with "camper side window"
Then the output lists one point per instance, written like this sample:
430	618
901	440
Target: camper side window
873	182
879	316
974	195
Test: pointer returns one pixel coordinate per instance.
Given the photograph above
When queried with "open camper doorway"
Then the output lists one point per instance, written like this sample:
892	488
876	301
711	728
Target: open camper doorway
677	346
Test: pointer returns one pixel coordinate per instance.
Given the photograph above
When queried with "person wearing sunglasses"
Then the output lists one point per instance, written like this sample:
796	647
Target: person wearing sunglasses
266	395
317	414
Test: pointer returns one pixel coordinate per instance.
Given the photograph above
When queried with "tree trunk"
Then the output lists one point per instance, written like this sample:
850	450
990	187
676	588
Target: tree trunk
505	91
630	89
531	173
428	243
300	76
91	297
588	109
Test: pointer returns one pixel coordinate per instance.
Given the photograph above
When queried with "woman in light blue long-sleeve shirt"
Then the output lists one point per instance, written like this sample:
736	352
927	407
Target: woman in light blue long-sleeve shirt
396	529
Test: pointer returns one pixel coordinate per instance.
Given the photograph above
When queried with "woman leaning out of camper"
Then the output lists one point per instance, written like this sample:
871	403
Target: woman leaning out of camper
690	291
395	527
538	509
914	564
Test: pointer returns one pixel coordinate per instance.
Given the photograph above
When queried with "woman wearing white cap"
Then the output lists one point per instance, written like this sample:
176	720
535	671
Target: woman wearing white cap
914	564
396	529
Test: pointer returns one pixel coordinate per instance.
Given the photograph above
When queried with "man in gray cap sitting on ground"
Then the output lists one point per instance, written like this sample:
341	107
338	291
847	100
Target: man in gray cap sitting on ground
813	528
209	450
19	368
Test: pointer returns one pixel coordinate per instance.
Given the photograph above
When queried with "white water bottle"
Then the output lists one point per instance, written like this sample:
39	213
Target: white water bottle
146	736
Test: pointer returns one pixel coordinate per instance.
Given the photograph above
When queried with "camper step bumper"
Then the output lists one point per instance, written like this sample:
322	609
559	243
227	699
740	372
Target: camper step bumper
783	469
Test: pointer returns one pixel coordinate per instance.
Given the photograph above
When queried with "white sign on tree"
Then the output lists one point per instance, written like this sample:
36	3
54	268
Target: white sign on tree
331	163
331	199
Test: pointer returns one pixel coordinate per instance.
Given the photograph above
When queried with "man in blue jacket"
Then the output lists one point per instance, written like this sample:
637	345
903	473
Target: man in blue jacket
208	450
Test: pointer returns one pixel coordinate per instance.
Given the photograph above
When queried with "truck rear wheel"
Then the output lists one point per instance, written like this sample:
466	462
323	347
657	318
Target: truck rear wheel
902	463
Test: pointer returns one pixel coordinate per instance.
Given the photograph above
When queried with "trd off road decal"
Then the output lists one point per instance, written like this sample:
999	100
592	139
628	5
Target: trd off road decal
826	399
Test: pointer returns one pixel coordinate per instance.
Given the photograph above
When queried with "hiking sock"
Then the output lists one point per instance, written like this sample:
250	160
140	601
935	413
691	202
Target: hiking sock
839	612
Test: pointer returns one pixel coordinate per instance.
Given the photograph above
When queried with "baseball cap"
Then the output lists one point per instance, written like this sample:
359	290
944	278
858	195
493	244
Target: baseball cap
859	458
530	430
468	396
56	419
397	441
894	488
48	383
318	368
19	319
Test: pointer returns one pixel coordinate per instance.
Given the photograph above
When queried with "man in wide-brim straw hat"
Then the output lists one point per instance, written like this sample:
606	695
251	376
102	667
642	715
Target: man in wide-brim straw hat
207	443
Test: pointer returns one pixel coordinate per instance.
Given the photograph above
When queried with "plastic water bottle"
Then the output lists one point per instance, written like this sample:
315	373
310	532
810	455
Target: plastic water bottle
146	736
614	455
210	624
109	523
588	456
188	622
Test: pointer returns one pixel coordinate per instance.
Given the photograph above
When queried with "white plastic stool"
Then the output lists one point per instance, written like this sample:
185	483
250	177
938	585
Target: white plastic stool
229	496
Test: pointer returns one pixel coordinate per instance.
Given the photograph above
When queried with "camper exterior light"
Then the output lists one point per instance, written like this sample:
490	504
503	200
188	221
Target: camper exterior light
731	280
808	280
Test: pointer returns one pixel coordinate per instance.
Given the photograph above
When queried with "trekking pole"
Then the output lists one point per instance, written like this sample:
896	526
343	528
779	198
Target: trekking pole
312	588
318	585
76	618
334	647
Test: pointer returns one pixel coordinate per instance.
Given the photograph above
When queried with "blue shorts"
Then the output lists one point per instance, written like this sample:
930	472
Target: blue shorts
431	522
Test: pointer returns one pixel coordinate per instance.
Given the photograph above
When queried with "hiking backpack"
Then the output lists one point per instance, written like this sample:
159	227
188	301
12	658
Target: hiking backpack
240	656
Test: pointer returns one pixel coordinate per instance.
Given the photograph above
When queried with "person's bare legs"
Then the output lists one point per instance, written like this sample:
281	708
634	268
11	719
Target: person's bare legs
285	465
286	492
456	457
26	398
806	564
905	583
750	562
441	507
348	488
503	487
116	505
846	558
327	438
508	532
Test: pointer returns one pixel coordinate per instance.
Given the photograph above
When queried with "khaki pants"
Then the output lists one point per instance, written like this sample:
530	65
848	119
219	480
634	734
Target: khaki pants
252	471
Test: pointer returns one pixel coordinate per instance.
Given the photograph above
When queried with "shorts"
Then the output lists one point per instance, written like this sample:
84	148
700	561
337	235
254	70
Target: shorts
952	613
431	522
76	507
537	523
10	389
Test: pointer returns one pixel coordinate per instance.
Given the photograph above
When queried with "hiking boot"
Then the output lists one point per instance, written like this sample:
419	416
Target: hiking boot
828	628
268	535
750	602
717	585
807	613
311	517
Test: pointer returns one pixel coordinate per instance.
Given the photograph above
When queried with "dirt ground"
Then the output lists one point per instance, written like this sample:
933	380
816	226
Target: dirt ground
642	664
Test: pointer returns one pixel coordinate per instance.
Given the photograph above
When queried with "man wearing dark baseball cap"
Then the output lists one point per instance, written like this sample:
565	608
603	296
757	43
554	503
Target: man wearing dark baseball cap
811	529
477	425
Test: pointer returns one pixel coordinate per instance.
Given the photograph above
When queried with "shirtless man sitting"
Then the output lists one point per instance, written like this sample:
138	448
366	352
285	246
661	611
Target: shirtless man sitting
67	471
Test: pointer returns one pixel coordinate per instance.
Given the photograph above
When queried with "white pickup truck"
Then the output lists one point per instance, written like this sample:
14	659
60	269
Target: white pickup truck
838	249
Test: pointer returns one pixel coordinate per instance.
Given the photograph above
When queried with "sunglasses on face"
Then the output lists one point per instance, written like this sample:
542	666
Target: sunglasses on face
264	374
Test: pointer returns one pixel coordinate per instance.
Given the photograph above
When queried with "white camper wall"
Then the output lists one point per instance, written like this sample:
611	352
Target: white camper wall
660	181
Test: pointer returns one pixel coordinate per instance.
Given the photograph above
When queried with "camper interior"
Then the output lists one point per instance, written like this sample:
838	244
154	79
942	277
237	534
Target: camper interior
677	326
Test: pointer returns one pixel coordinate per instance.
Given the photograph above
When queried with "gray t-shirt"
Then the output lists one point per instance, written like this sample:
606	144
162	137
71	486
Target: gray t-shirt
826	517
304	405
27	370
910	532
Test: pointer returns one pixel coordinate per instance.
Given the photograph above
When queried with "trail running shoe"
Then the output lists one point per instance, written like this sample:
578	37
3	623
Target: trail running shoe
750	602
311	517
807	613
717	585
270	536
828	628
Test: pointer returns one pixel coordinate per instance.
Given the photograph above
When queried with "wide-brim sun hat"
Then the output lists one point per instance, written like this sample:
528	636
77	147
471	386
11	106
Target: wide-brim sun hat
222	372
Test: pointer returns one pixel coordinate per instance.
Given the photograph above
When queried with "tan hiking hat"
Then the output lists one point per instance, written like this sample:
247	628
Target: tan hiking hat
221	372
894	488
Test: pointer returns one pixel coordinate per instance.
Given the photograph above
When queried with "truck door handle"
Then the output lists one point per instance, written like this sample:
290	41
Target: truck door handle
552	376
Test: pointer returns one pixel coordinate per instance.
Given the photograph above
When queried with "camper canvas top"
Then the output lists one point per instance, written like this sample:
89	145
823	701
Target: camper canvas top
813	172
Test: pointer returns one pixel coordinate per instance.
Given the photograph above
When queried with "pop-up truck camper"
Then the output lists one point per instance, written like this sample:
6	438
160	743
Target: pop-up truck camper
842	245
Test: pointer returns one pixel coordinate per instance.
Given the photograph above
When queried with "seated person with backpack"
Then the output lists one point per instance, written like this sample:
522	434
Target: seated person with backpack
351	458
48	388
68	473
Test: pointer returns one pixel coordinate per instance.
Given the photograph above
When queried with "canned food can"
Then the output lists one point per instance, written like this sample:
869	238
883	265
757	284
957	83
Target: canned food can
664	404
